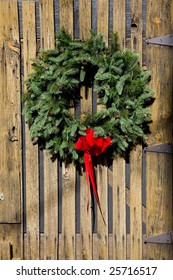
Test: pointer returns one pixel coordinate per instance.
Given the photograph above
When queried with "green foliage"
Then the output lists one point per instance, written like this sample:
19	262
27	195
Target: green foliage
54	87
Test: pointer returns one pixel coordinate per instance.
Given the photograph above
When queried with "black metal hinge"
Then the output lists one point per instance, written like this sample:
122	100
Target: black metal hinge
165	238
166	40
161	148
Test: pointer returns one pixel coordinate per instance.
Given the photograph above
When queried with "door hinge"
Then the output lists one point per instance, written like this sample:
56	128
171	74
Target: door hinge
165	238
161	148
166	40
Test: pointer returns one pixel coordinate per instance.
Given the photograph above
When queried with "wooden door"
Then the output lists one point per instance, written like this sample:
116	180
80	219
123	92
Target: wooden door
48	200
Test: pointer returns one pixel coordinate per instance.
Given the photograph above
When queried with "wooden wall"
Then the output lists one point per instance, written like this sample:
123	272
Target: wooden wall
43	212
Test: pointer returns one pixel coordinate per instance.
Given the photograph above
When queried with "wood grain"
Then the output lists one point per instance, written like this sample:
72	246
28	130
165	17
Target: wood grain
119	210
102	15
47	24
85	109
136	204
136	155
68	212
136	27
102	169
119	26
31	172
5	251
159	203
159	166
68	172
10	129
50	167
11	241
120	195
66	15
68	244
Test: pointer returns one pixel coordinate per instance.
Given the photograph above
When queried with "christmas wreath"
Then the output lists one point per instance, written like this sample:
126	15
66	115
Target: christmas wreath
117	79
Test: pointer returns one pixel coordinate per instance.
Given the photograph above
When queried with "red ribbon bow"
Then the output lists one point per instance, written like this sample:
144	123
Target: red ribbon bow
92	146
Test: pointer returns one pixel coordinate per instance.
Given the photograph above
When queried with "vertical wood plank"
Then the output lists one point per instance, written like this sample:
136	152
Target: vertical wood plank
136	155
84	19
158	61
95	246
68	213
50	167
47	24
102	229
42	255
10	130
128	247
159	166
68	172
119	210
85	108
159	203
5	251
10	234
136	27
102	23
119	189
102	170
50	208
119	21
136	204
32	185
10	122
66	15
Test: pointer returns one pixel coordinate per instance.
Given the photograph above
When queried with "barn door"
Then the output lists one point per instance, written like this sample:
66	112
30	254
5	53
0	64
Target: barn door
159	220
50	231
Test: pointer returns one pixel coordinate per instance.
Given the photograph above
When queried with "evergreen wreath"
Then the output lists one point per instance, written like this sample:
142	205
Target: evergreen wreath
119	82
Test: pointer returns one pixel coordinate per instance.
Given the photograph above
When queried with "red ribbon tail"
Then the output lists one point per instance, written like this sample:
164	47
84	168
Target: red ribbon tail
90	174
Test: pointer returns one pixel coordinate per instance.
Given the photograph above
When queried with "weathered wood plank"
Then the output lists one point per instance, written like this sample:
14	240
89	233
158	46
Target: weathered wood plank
102	169
47	36
42	242
85	108
102	22
84	19
50	167
136	204
159	166
118	174
68	172
128	246
50	208
110	181
68	212
136	27
66	15
95	247
158	24
5	251
119	210
159	203
11	234
119	22
60	247
10	128
32	180
136	155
